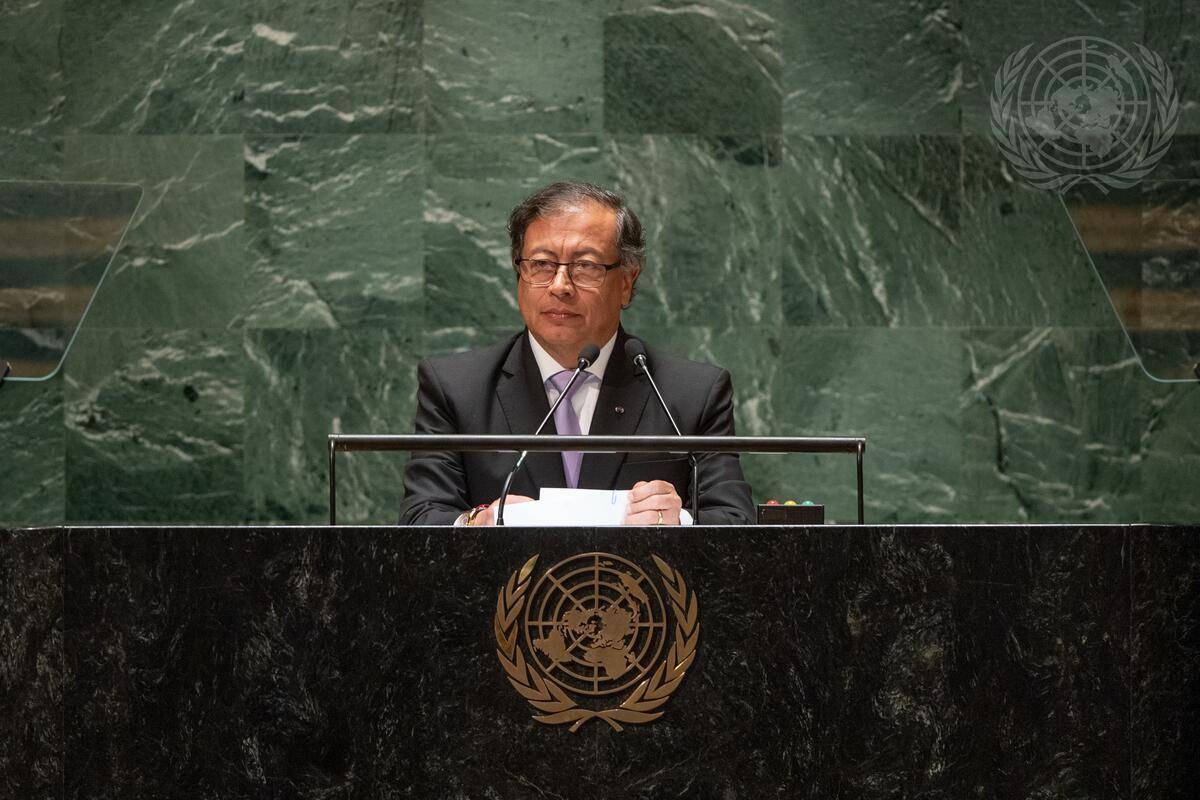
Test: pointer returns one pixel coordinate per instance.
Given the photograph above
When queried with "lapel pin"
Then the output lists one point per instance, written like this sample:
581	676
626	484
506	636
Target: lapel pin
619	410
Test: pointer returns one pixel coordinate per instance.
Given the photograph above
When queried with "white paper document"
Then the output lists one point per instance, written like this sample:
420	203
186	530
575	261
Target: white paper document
570	507
574	507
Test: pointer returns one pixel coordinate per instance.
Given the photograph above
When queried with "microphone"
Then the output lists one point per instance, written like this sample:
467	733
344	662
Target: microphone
587	356
637	351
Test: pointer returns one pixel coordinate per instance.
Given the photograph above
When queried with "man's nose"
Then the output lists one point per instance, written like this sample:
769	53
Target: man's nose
562	282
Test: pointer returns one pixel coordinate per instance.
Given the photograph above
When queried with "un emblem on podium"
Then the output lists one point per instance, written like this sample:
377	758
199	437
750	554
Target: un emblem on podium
592	631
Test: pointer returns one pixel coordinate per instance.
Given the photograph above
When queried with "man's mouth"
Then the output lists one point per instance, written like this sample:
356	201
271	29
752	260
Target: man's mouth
559	315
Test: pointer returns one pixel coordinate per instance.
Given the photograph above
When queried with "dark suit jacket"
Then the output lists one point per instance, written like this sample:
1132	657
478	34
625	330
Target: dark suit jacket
499	390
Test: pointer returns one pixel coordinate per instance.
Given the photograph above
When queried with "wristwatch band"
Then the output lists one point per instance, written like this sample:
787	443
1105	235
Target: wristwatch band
474	512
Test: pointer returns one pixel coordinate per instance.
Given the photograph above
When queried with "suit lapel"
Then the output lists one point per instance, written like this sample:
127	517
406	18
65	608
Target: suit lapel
623	389
523	400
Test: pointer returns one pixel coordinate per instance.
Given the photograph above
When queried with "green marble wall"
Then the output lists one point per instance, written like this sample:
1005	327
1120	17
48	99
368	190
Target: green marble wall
326	188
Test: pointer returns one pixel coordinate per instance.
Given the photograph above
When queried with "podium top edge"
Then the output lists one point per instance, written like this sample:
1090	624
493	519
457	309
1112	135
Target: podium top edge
342	442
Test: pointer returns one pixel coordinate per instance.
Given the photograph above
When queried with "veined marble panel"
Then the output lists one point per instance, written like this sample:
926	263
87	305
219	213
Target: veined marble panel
1172	30
874	67
335	223
991	31
898	388
32	452
154	426
30	156
183	263
1170	454
712	220
873	232
927	231
816	223
308	384
1054	426
1022	264
533	66
263	66
31	91
350	66
154	67
712	67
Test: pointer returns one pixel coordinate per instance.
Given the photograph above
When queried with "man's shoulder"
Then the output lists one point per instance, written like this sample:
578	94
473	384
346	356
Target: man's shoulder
481	360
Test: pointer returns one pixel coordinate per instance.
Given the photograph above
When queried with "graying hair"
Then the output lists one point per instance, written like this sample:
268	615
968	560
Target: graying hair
558	197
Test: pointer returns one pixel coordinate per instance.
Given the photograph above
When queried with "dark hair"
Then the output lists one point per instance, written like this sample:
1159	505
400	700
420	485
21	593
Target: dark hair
558	197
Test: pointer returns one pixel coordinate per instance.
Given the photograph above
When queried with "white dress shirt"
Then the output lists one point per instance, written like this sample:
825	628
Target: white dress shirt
583	399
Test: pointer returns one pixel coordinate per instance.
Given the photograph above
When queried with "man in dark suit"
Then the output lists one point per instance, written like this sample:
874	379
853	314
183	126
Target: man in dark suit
577	252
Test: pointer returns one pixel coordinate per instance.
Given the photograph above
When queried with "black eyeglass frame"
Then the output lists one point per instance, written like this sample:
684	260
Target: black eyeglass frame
568	264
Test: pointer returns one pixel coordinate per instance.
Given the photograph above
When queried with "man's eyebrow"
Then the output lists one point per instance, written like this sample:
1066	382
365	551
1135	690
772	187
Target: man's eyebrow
585	250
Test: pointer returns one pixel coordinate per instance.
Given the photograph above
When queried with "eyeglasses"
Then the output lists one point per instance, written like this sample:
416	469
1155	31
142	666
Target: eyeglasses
584	274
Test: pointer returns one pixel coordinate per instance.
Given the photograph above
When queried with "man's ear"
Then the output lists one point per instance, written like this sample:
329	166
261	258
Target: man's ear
630	277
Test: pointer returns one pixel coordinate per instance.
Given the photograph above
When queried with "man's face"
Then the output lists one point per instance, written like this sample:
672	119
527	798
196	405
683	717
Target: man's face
561	316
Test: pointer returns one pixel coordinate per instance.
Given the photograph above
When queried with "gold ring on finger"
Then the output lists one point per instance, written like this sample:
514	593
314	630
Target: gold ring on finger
659	517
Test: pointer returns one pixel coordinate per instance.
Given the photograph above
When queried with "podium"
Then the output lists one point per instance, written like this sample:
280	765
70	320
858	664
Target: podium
689	445
858	661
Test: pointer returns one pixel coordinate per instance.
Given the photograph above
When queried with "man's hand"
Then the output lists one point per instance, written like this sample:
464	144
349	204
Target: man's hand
647	499
488	515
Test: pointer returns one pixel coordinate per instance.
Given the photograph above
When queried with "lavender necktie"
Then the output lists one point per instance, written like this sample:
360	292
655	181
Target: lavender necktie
566	423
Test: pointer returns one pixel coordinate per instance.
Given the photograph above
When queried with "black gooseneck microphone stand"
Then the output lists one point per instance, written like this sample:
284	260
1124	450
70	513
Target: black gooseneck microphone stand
586	357
637	351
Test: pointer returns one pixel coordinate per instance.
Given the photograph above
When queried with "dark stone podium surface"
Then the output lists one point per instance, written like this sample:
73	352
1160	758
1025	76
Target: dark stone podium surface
856	662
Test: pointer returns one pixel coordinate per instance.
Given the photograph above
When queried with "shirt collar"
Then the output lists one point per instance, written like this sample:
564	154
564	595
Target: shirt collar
549	367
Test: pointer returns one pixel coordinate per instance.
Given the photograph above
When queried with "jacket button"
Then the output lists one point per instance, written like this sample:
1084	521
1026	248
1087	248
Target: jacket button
619	409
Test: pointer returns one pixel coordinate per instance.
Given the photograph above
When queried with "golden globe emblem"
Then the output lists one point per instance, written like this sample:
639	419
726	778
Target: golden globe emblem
593	626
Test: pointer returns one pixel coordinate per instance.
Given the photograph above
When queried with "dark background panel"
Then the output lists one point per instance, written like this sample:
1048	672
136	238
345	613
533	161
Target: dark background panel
874	662
1165	662
32	747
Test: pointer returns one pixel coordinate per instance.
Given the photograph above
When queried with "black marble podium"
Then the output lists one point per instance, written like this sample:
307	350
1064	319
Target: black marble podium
856	662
